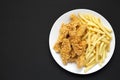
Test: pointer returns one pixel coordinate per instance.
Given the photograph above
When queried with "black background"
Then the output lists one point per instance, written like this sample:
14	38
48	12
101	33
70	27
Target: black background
24	35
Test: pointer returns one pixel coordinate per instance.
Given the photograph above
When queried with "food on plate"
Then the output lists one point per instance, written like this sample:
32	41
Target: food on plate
85	40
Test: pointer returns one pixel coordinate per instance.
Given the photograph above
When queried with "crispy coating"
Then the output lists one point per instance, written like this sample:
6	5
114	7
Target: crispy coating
81	30
80	61
69	44
65	50
57	47
65	47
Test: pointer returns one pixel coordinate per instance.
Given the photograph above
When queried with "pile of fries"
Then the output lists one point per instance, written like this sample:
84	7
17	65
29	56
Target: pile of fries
84	41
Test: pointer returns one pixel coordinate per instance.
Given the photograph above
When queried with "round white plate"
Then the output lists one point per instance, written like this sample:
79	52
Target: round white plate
71	67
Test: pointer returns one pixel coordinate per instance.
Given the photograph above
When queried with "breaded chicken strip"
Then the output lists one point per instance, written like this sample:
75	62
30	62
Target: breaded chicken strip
81	30
80	61
65	50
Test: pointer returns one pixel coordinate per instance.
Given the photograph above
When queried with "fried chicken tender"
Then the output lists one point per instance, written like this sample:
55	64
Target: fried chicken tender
81	30
63	32
75	40
70	44
57	47
80	51
80	61
65	49
74	18
79	48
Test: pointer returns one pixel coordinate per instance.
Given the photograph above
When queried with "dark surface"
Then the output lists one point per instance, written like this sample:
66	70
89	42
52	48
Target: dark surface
24	32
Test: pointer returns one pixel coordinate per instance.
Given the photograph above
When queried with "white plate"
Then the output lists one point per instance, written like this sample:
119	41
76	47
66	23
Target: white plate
71	67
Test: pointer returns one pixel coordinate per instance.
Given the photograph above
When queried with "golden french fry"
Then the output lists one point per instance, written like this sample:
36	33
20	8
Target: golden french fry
91	61
96	30
108	29
97	53
103	53
90	56
89	67
107	33
100	50
105	40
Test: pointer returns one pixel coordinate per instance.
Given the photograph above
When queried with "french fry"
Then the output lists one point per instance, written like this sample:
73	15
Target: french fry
89	67
91	61
103	53
101	47
97	53
107	33
90	56
105	40
108	29
96	30
85	36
